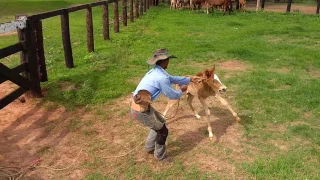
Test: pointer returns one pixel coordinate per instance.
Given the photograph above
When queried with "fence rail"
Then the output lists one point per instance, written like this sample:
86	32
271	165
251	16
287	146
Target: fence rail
32	69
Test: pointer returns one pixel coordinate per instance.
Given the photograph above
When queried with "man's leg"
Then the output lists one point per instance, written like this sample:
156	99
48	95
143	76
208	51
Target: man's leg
151	140
158	132
160	146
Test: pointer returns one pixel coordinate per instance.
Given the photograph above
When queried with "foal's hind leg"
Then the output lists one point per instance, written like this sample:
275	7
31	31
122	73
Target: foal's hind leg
189	99
207	110
225	103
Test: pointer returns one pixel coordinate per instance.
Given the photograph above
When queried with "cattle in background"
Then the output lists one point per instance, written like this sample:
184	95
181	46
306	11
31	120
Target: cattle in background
196	4
227	4
242	5
185	3
173	4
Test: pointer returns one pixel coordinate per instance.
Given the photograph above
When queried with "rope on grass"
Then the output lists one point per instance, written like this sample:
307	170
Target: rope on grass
61	169
15	173
125	154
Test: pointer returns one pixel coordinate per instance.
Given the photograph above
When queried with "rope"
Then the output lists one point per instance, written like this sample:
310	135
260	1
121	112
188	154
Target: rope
125	154
12	172
61	169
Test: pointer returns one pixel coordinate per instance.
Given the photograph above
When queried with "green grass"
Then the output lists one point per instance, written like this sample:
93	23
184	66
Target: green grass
280	85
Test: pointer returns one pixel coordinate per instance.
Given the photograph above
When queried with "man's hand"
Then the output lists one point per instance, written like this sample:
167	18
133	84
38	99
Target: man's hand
183	88
196	79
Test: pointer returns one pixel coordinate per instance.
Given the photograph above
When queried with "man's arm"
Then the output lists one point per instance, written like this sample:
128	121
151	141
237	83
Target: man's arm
184	80
179	80
166	89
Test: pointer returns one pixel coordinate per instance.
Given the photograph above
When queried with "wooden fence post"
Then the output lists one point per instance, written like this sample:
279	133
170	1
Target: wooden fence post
262	4
147	4
105	19
116	17
318	6
21	38
124	13
90	40
141	7
144	5
131	11
65	30
137	8
42	68
32	59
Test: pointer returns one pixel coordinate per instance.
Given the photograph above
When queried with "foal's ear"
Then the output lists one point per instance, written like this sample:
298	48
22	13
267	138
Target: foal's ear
214	67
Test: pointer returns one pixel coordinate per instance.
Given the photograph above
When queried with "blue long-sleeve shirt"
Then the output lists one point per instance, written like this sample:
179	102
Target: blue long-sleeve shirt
158	81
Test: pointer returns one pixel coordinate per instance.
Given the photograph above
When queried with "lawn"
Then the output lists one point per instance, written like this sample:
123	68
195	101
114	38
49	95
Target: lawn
276	94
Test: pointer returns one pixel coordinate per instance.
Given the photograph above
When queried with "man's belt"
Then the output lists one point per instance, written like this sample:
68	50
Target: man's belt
138	107
141	102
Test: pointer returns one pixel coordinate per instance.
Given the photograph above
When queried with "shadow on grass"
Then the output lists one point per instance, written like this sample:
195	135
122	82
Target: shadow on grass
190	139
30	135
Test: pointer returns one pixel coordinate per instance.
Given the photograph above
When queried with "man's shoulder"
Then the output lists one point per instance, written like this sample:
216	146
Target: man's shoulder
159	74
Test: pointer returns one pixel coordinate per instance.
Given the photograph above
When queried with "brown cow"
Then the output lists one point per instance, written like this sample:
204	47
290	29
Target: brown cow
209	86
196	4
227	4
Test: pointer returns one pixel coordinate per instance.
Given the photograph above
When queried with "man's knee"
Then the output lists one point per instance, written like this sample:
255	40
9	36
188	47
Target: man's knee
162	135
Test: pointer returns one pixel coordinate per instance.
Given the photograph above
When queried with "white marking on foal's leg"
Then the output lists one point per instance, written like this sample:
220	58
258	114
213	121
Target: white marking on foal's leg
207	110
225	103
210	132
197	116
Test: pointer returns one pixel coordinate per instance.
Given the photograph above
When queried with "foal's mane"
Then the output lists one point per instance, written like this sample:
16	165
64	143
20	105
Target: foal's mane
207	72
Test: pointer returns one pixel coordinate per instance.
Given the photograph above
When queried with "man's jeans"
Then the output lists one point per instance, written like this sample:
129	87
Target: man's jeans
153	120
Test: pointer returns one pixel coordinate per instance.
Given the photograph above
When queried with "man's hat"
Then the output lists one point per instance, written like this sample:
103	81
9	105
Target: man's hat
159	54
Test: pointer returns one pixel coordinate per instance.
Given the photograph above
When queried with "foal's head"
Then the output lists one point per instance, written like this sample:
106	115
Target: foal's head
212	80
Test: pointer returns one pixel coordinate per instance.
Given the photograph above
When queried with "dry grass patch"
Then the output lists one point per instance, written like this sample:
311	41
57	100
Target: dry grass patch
67	86
232	65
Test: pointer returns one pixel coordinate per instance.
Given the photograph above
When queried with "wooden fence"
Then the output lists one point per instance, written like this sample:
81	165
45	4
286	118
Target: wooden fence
32	69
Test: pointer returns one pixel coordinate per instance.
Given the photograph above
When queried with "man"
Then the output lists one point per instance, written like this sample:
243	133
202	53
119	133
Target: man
155	82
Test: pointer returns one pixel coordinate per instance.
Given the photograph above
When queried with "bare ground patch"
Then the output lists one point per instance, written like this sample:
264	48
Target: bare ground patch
33	130
282	8
313	72
283	70
232	65
8	33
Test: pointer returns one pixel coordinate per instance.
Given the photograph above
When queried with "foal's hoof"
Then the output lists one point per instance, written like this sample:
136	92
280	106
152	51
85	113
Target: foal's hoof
238	119
198	116
210	135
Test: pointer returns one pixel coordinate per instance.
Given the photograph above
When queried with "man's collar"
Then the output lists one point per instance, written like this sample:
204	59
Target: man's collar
161	69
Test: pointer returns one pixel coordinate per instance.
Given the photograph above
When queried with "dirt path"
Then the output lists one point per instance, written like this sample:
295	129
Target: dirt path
35	129
283	7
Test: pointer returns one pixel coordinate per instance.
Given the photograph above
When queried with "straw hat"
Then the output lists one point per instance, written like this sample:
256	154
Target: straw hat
159	54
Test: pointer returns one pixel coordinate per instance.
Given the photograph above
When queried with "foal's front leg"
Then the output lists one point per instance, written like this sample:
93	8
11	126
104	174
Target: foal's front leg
189	100
225	103
207	110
